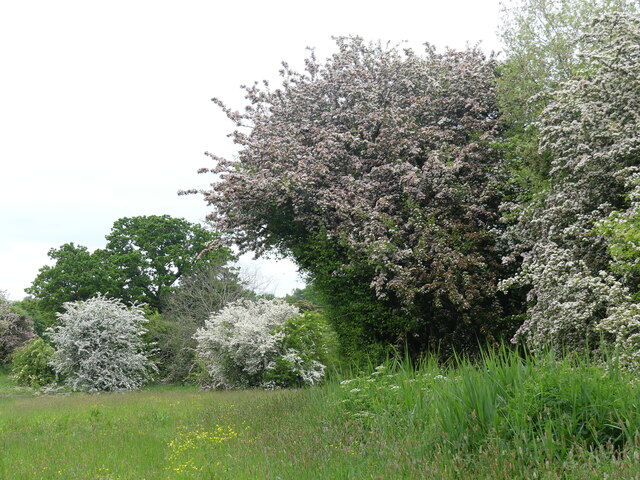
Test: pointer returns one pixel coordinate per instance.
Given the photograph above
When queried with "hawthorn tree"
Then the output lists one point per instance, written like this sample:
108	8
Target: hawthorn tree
375	170
541	43
591	130
541	40
267	343
98	346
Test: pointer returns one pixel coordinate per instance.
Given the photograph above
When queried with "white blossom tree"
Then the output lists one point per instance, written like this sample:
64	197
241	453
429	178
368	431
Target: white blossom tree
591	129
99	347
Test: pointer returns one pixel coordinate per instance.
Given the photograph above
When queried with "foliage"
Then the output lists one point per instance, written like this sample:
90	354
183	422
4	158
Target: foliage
590	130
567	301
622	231
30	364
30	307
150	253
77	274
541	42
383	158
143	259
15	329
98	346
533	406
308	340
254	343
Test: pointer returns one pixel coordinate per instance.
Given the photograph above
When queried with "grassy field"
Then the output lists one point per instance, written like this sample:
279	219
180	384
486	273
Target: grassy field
505	418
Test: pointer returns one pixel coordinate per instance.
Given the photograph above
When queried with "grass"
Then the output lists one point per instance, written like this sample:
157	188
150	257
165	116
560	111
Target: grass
505	417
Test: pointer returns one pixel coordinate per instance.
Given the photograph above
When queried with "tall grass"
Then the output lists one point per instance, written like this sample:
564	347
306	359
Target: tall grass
532	414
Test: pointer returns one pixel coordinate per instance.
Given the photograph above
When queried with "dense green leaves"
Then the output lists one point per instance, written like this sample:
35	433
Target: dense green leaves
77	274
30	364
142	261
149	254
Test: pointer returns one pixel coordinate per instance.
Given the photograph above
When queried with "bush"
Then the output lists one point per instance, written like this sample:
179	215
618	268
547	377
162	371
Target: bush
262	343
99	347
15	329
31	364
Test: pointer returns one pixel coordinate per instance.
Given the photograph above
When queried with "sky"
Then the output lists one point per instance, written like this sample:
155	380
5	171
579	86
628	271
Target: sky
106	112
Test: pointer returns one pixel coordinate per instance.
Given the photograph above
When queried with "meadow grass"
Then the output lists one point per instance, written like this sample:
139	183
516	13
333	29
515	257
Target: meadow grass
502	417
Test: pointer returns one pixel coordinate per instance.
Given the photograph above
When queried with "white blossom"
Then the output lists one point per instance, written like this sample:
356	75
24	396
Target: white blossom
243	343
99	347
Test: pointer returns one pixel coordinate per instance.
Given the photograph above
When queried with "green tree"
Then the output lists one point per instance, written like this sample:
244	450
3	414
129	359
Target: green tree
77	274
143	259
150	253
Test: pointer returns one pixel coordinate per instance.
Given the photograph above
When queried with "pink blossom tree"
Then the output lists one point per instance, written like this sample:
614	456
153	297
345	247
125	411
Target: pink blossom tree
376	172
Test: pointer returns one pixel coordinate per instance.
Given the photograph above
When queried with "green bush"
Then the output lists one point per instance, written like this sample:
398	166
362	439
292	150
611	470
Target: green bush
30	364
314	341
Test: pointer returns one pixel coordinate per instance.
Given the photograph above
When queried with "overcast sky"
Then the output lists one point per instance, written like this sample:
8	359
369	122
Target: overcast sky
105	107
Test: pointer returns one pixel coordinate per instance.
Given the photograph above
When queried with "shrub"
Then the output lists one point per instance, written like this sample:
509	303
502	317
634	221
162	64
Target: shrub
15	329
31	364
261	343
99	347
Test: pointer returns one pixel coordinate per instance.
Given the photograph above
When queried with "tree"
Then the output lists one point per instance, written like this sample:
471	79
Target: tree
541	40
143	259
207	289
15	329
375	171
151	253
98	346
77	274
590	129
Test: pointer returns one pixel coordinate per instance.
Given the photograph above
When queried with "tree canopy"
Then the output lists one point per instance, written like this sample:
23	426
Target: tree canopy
144	257
376	171
591	130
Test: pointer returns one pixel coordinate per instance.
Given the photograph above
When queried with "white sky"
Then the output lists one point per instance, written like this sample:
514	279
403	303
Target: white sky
105	107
